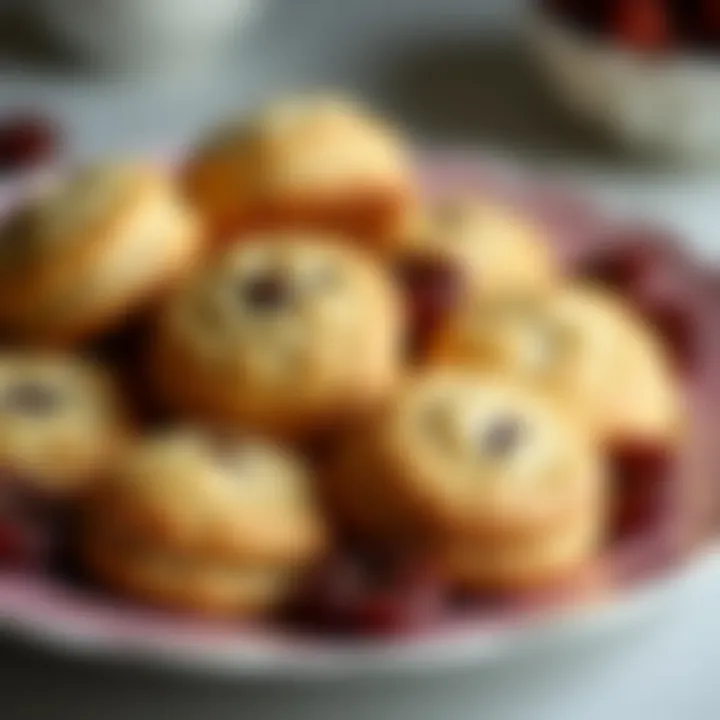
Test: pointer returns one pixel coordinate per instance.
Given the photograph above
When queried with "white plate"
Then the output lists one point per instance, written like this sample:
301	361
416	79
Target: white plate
57	614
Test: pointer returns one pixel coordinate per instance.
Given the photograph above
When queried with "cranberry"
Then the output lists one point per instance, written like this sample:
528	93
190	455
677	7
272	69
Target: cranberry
29	524
23	544
665	295
433	287
641	485
676	326
329	597
26	141
672	275
631	256
353	594
659	281
413	600
397	613
707	20
643	25
709	10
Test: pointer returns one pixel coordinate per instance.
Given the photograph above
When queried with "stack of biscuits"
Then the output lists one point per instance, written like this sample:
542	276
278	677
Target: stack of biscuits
495	484
205	524
272	273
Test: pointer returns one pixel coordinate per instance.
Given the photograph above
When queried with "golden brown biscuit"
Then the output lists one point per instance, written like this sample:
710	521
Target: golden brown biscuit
537	559
192	492
497	251
186	584
195	521
501	486
60	421
315	162
91	248
281	334
583	345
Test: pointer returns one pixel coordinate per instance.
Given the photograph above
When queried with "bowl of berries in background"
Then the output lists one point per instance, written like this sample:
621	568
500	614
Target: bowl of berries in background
642	71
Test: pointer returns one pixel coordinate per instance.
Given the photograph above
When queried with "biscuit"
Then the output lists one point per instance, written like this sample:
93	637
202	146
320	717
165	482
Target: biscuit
283	334
497	483
581	344
535	560
314	162
192	492
61	422
185	585
497	251
193	520
91	248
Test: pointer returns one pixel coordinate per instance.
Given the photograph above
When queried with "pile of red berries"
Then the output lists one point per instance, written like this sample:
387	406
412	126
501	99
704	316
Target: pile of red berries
26	141
646	25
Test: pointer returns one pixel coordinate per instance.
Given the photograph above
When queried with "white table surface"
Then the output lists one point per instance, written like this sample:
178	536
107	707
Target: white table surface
436	67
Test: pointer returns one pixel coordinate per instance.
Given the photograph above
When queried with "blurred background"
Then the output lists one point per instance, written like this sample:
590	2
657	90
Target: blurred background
620	97
137	73
621	94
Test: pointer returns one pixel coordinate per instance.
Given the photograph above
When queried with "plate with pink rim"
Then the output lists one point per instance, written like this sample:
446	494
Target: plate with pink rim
632	580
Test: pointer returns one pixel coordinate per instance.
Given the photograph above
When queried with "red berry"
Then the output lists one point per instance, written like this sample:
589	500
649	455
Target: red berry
329	597
394	613
641	486
29	523
23	544
413	600
709	19
676	326
630	257
655	277
660	283
356	595
25	141
607	270
642	24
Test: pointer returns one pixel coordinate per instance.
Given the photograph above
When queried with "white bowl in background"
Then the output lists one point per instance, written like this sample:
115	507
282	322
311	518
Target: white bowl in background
144	33
667	105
